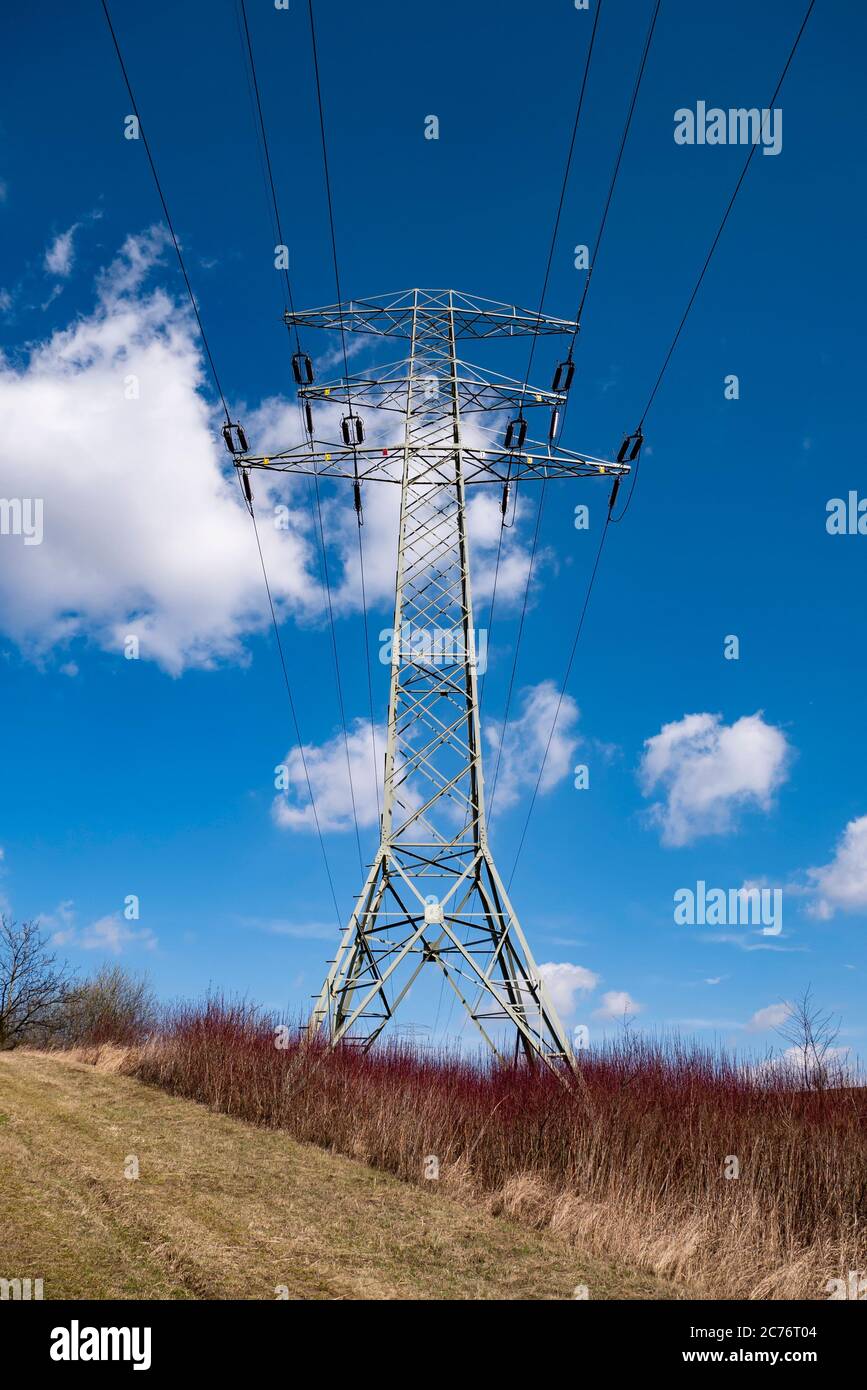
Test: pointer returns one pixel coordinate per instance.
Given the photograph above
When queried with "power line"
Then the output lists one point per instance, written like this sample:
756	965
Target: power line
692	298
623	138
166	215
357	485
562	694
328	192
298	737
609	518
533	343
636	87
216	378
315	498
518	639
268	166
535	336
563	187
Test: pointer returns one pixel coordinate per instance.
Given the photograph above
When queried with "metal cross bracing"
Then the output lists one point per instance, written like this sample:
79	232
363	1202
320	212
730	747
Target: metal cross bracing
433	895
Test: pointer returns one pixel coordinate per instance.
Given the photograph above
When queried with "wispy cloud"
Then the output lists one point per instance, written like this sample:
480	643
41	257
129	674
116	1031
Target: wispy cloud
744	942
300	931
111	934
60	254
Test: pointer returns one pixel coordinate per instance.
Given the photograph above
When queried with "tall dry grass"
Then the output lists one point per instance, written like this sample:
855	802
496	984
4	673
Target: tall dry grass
631	1164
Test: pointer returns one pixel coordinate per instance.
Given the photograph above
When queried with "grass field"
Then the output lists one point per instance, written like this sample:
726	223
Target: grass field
224	1209
659	1154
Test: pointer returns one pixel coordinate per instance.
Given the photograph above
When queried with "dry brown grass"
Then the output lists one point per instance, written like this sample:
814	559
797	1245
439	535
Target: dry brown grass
223	1209
110	1057
631	1166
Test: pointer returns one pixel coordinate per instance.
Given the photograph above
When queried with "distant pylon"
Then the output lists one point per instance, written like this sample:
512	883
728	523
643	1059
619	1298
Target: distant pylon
433	895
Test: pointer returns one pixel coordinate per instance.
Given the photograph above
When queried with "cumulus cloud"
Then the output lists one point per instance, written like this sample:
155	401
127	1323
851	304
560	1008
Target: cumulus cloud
329	775
381	520
841	886
617	1004
830	1068
565	983
326	766
483	528
144	531
770	1017
709	771
108	423
524	740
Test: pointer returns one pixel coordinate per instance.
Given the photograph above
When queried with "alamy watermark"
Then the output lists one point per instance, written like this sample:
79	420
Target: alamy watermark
22	516
846	516
434	646
729	907
77	1343
739	125
21	1289
854	1286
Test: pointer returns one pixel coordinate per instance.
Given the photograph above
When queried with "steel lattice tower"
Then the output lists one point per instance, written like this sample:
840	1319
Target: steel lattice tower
433	895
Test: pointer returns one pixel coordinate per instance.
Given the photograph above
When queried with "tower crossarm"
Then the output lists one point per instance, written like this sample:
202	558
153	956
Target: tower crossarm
466	316
475	393
376	465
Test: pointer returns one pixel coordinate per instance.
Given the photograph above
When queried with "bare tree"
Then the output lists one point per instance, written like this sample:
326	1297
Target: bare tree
112	1006
32	986
812	1034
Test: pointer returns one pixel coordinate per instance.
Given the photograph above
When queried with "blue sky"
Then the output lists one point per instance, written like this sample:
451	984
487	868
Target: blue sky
155	777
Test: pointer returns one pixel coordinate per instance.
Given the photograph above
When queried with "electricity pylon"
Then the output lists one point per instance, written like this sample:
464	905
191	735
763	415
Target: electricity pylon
433	895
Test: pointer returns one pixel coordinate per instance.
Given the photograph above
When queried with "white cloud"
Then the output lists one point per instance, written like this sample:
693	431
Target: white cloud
110	933
60	255
381	520
329	776
617	1004
483	528
710	771
145	533
300	931
523	746
330	780
770	1017
744	942
332	355
60	923
832	1060
563	982
842	884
